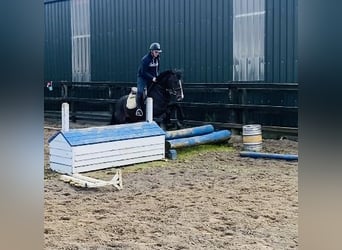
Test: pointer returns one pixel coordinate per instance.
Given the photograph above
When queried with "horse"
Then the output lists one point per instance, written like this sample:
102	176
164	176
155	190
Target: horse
168	83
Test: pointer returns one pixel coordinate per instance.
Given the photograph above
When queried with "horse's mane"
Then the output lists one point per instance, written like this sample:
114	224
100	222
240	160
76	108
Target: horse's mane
178	73
165	73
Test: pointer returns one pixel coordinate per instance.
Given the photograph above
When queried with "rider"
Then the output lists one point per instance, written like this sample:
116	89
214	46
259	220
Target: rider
147	72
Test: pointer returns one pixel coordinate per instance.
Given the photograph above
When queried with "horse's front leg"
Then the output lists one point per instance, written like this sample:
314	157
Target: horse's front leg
162	121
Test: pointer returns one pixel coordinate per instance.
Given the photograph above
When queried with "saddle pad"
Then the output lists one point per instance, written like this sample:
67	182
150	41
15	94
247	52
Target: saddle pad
131	103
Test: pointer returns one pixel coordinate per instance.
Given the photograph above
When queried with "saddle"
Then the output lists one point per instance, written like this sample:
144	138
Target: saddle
131	99
131	102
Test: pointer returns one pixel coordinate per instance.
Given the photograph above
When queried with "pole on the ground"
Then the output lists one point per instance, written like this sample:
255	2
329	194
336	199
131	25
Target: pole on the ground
288	157
214	137
189	132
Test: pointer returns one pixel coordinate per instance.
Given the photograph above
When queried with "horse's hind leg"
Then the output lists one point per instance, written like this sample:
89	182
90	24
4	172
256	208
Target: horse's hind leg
112	120
119	114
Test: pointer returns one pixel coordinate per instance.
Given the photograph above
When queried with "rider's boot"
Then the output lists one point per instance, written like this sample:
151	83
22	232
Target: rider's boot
139	111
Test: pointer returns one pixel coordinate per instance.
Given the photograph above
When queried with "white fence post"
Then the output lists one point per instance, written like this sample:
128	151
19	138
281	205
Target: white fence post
65	117
149	109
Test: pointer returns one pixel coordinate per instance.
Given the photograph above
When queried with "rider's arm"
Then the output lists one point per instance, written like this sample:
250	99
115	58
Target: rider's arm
145	67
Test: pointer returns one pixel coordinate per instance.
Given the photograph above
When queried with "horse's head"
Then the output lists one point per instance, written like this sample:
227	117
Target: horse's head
173	83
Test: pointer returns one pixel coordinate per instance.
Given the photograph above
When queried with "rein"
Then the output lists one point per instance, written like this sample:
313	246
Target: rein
158	85
171	91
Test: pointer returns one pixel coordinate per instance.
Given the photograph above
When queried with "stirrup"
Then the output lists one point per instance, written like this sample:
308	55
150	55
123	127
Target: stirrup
139	112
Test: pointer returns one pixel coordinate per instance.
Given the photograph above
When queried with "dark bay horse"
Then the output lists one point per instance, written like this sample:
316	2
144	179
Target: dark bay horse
168	83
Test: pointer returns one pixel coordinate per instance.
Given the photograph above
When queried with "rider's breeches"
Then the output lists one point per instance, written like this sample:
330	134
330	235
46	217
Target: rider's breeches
141	84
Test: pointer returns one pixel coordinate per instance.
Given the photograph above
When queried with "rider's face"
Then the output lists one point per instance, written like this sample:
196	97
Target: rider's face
155	53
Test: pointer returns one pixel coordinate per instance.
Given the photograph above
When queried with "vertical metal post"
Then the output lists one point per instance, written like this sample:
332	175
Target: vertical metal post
244	101
232	100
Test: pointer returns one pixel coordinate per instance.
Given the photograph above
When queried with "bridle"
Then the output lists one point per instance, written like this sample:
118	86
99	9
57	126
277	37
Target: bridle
171	91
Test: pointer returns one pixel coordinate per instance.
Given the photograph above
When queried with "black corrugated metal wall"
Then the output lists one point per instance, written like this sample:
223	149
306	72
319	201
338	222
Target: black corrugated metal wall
57	52
281	41
195	35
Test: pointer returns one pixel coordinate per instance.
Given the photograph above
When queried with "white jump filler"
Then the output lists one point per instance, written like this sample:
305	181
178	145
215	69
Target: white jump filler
88	149
74	151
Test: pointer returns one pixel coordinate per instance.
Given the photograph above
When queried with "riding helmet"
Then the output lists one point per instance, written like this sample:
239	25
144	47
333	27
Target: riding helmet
155	46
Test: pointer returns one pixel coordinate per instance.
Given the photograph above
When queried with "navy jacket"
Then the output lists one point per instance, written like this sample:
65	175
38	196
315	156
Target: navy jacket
149	67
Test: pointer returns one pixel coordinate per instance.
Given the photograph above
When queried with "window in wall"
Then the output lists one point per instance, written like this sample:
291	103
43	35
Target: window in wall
80	38
248	40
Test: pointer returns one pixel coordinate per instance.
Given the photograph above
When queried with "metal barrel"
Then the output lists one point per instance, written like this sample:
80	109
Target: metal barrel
252	137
